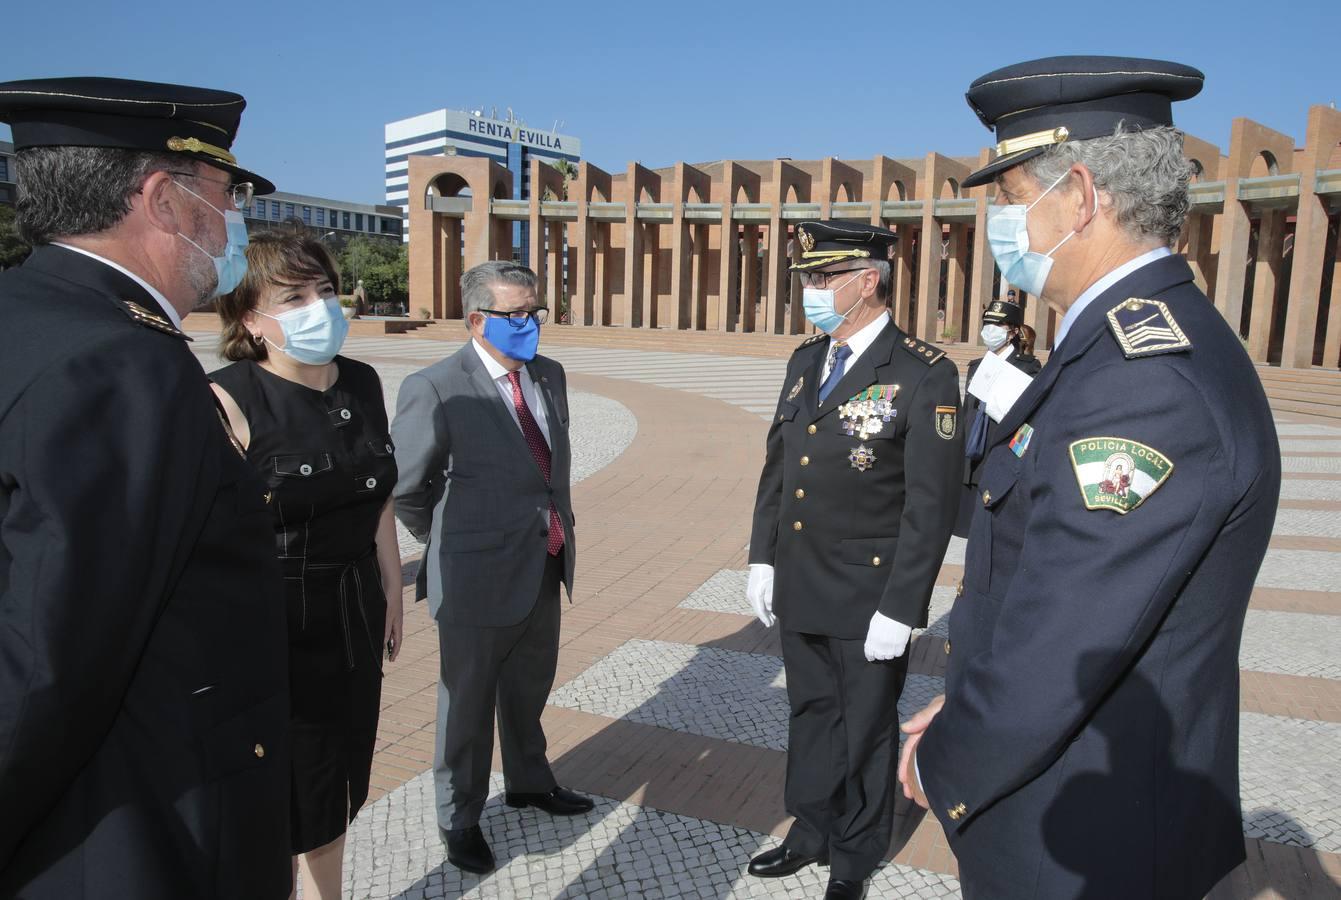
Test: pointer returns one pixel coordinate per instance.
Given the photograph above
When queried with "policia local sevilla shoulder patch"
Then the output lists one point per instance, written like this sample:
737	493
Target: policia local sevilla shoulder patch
1117	473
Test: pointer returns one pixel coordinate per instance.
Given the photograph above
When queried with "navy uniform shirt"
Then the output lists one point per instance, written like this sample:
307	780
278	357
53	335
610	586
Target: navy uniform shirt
1088	745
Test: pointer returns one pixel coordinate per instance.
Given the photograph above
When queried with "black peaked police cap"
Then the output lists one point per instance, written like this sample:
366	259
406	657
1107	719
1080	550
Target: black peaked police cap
198	123
1034	105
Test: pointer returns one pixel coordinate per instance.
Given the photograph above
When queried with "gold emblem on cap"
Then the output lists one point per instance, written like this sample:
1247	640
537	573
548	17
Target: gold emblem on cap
1030	141
195	145
806	238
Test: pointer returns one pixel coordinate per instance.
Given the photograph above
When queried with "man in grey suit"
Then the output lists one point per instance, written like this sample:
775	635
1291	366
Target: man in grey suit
482	448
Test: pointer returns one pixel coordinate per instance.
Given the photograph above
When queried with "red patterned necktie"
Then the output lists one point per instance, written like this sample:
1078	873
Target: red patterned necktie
540	450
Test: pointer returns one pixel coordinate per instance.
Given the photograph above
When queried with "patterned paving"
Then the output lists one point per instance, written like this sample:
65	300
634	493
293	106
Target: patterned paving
1309	489
618	850
707	691
1321	465
1301	570
1290	783
1292	644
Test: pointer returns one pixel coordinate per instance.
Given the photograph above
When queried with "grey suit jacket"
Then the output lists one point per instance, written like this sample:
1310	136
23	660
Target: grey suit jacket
470	488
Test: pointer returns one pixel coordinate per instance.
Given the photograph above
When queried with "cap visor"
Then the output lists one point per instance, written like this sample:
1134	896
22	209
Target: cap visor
990	171
261	186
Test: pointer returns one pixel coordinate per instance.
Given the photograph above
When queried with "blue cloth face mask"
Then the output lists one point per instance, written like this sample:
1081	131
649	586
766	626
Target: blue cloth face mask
1008	239
818	306
313	334
519	343
232	265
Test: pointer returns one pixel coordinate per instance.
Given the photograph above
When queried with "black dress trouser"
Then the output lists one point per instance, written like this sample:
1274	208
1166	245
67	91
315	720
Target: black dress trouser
843	750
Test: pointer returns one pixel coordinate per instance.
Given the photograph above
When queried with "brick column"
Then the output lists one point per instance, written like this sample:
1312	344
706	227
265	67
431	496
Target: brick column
1310	244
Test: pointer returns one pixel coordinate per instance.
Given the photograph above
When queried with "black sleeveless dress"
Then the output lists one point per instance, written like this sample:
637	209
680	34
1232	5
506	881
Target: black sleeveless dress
328	460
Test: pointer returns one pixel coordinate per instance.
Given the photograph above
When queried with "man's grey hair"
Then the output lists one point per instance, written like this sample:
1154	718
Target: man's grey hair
1143	172
69	191
884	288
477	284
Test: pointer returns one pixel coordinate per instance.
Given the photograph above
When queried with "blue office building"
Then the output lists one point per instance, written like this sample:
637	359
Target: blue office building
447	132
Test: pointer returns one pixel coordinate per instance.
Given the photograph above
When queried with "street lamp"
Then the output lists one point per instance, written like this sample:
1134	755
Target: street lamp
326	235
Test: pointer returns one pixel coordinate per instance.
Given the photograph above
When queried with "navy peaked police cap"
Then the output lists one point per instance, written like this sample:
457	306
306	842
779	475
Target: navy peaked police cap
1034	105
834	240
198	123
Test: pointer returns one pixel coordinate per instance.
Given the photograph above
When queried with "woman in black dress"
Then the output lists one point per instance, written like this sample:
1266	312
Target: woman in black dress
315	425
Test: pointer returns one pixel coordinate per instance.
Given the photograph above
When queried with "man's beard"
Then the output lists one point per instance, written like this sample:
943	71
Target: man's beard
198	268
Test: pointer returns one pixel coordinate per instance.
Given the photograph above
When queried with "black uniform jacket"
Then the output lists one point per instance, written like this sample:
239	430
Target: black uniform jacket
853	525
143	669
968	498
1088	745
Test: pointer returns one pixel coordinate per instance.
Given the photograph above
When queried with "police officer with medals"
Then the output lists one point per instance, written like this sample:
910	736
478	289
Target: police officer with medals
1087	741
143	670
855	505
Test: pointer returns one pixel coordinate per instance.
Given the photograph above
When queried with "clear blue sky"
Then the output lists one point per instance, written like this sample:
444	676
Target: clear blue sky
659	82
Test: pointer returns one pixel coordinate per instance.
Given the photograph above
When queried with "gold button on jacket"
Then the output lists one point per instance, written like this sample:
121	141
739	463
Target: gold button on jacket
259	750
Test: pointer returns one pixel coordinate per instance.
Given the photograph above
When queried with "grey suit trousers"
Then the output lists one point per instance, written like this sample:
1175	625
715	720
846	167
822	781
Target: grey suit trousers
509	669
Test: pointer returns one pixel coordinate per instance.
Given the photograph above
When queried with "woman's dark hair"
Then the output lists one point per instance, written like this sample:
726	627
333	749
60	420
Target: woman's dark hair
1026	339
284	258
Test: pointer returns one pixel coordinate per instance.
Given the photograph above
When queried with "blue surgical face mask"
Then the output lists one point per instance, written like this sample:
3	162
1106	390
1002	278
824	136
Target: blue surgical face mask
818	306
232	265
313	334
1008	239
519	343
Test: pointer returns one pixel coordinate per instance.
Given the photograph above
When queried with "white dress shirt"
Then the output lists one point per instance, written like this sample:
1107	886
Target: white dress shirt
858	344
532	397
154	292
1103	284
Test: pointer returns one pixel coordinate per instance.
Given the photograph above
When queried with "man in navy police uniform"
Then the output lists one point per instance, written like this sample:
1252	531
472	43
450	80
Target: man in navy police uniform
143	657
854	510
1087	741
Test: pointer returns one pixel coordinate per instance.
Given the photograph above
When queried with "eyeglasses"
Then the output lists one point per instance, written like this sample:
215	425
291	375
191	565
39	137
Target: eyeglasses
517	317
821	279
241	192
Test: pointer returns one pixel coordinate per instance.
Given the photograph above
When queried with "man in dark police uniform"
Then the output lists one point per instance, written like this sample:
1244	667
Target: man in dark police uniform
855	505
1087	745
143	694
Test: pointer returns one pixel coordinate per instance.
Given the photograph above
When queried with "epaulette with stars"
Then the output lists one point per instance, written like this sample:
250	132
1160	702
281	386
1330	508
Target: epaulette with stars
928	353
152	320
813	339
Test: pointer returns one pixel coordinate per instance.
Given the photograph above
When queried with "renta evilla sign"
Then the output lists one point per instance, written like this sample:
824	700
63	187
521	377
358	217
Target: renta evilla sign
512	133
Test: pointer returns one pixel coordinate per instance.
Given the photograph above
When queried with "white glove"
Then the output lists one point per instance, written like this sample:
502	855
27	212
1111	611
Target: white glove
759	591
886	638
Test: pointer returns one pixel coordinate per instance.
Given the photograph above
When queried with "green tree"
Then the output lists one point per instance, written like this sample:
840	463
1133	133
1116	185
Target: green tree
13	249
567	170
360	256
388	281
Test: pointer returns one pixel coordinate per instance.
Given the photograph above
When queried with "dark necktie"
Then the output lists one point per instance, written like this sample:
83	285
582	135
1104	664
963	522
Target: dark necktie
540	450
841	352
976	445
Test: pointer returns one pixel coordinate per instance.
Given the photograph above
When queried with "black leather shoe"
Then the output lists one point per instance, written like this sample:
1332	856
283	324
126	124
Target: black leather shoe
844	889
467	849
781	861
558	802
